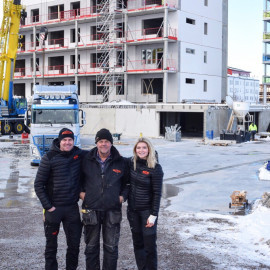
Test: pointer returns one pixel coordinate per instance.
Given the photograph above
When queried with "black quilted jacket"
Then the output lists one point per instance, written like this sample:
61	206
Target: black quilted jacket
57	181
102	190
145	187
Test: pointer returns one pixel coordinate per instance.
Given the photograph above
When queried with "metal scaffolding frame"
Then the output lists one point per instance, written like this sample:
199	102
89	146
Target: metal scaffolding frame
109	27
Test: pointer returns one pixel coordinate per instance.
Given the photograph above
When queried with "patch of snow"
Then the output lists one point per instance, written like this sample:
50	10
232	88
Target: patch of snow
264	174
118	102
244	239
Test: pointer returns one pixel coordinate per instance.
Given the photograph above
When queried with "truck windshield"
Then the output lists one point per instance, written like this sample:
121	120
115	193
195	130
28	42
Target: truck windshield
55	117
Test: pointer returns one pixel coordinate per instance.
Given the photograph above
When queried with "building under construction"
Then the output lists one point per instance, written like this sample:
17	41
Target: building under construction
168	57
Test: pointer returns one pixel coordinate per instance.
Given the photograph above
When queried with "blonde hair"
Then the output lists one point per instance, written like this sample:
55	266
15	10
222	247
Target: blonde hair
151	160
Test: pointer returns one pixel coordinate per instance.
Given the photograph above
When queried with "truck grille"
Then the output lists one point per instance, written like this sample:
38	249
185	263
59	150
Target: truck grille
43	143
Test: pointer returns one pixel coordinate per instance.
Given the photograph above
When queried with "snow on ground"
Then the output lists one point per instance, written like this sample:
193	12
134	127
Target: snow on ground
229	241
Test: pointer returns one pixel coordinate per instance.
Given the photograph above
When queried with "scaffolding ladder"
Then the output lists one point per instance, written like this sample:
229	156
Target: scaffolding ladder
110	48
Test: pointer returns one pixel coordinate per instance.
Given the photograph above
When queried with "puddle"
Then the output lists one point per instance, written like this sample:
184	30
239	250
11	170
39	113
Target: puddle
169	190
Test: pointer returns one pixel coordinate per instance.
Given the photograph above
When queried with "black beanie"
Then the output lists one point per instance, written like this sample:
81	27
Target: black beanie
65	132
104	134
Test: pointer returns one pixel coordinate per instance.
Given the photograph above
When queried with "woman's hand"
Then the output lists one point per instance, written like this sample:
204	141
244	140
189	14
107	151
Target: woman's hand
121	199
151	221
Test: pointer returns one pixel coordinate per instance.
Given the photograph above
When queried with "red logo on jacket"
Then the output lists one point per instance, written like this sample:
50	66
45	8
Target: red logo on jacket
75	157
145	172
117	171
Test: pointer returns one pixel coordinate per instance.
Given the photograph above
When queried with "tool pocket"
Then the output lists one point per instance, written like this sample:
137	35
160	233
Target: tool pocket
89	218
114	217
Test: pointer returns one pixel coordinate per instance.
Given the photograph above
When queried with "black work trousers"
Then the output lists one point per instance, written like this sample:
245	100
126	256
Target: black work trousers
253	132
109	221
70	218
144	239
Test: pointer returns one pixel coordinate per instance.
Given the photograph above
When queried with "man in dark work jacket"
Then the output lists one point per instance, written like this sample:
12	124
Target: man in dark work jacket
57	186
105	187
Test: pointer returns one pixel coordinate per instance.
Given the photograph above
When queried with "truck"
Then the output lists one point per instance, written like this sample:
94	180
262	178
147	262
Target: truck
53	108
12	109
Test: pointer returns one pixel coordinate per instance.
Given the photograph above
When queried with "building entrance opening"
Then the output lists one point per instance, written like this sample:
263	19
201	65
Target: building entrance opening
191	123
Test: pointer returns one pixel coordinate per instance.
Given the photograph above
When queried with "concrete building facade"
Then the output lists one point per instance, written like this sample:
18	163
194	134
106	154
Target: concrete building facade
156	51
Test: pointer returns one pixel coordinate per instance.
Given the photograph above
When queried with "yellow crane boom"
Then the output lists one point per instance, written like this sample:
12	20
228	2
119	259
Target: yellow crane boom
9	39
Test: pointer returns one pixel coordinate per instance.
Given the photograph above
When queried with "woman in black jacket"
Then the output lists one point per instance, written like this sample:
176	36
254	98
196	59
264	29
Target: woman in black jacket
146	177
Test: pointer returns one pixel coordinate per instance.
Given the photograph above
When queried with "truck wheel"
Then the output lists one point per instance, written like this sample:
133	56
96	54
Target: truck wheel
18	128
6	128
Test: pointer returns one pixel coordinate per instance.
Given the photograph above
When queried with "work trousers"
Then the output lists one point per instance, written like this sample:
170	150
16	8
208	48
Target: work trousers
253	132
70	218
144	239
109	221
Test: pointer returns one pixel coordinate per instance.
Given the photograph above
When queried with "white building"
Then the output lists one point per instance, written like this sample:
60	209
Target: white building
150	51
241	87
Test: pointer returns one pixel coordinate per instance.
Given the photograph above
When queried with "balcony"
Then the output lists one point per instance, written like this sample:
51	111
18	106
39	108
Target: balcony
91	12
61	16
24	73
19	73
150	34
266	15
266	58
266	36
154	65
58	43
139	5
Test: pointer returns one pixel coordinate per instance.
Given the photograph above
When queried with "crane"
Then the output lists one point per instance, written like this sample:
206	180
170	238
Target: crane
11	109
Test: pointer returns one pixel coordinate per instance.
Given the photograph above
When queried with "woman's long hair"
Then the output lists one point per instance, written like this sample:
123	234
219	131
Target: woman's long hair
151	160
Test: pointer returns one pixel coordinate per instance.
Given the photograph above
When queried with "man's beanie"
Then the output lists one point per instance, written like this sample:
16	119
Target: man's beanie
65	132
104	134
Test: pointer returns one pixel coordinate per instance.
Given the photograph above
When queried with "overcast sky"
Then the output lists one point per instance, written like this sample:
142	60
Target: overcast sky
245	34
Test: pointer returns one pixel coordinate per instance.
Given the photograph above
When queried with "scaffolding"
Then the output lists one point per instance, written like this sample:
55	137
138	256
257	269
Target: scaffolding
110	51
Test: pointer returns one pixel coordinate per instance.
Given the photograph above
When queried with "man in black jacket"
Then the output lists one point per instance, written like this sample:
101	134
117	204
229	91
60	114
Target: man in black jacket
105	187
57	186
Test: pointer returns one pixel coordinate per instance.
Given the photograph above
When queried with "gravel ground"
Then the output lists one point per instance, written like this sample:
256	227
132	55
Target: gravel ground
22	244
22	240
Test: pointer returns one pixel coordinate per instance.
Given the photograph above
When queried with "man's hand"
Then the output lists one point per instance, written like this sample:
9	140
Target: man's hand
82	195
121	199
51	209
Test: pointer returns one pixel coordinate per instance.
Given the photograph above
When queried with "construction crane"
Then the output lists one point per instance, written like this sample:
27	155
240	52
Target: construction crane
12	109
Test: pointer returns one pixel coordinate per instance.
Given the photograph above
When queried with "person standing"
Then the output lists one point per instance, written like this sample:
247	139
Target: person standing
57	185
146	178
253	129
104	189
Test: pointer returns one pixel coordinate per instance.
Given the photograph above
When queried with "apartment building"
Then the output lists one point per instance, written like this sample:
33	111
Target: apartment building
142	51
242	87
266	50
